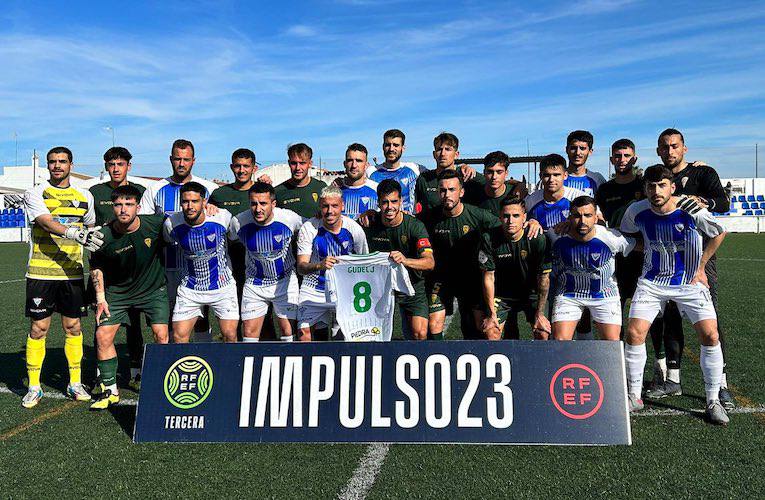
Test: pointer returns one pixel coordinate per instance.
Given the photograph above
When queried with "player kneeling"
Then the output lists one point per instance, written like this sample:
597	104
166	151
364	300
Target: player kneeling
128	276
268	235
583	273
320	240
673	269
206	277
516	276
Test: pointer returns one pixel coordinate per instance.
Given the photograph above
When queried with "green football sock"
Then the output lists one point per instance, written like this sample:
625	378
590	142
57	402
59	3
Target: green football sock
108	369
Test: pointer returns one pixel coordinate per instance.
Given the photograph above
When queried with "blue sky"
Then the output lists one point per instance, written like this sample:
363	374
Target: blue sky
266	74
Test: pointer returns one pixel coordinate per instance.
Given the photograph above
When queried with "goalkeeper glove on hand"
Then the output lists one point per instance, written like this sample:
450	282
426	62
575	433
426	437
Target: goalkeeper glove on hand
78	234
94	239
688	204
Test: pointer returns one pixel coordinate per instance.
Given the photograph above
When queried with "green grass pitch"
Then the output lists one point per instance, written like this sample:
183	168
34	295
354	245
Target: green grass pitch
59	448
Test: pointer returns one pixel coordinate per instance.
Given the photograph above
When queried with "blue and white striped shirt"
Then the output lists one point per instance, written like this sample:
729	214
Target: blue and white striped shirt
549	214
406	175
672	242
269	247
587	183
359	199
205	264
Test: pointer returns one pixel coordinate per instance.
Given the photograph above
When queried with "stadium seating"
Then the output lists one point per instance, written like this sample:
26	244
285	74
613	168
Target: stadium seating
745	205
12	217
741	197
758	212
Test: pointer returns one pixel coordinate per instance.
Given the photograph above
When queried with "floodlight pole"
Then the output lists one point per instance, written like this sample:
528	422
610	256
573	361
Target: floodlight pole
756	160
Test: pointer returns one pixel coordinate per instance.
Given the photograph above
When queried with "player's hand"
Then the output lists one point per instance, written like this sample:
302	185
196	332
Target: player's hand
468	172
211	209
397	257
490	322
562	227
700	277
327	263
265	178
338	182
699	163
691	204
534	227
94	239
365	219
541	327
102	308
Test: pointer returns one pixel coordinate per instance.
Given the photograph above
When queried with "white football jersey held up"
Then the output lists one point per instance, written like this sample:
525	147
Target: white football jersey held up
362	286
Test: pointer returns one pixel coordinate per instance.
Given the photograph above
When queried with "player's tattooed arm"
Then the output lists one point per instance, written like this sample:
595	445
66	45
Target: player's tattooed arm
491	321
541	326
102	307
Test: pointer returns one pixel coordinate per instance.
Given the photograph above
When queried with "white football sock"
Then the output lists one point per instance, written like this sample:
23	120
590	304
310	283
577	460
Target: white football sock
635	357
711	361
250	339
724	381
286	338
673	375
660	364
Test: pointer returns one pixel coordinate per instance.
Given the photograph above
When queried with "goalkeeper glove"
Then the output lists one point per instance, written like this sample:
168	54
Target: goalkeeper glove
688	204
92	239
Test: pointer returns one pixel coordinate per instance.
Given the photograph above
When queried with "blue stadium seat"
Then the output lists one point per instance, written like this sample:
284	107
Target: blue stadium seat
758	212
754	204
732	210
749	197
760	197
741	197
748	212
745	205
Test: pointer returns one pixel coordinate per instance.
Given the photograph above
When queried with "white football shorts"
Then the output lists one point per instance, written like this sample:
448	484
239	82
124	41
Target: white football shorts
283	295
223	302
693	301
606	311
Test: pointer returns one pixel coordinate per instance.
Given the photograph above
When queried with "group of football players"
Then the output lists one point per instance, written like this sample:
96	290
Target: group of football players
248	251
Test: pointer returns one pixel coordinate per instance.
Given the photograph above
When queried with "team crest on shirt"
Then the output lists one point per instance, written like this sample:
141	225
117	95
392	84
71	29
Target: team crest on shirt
315	196
147	242
684	181
404	239
278	238
465	229
638	194
365	200
524	253
679	227
211	237
595	256
565	213
37	301
345	244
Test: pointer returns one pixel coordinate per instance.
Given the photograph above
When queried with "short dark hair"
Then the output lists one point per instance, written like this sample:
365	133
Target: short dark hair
450	174
446	138
300	150
495	157
262	187
622	144
657	173
357	147
581	201
388	186
117	152
512	200
672	131
245	153
552	160
182	144
126	191
193	187
59	150
393	133
580	135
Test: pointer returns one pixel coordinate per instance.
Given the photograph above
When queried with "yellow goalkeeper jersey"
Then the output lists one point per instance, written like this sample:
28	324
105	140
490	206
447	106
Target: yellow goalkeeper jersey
53	257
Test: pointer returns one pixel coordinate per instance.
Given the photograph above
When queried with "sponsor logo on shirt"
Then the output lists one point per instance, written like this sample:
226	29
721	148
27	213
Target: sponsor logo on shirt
147	242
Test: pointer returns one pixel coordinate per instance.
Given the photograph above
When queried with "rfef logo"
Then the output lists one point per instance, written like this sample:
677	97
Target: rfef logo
576	391
188	382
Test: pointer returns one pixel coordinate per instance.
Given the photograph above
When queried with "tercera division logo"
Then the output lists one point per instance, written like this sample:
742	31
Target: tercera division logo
188	382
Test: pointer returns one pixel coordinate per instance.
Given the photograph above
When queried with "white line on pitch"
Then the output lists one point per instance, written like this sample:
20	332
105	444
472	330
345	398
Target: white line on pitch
12	281
673	412
58	395
742	259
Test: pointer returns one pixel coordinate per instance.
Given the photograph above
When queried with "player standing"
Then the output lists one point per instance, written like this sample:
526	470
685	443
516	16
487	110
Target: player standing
673	269
579	148
702	185
129	279
117	165
455	231
320	240
58	213
550	205
359	193
516	276
164	197
206	278
583	273
497	187
405	237
445	152
300	193
268	235
392	168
